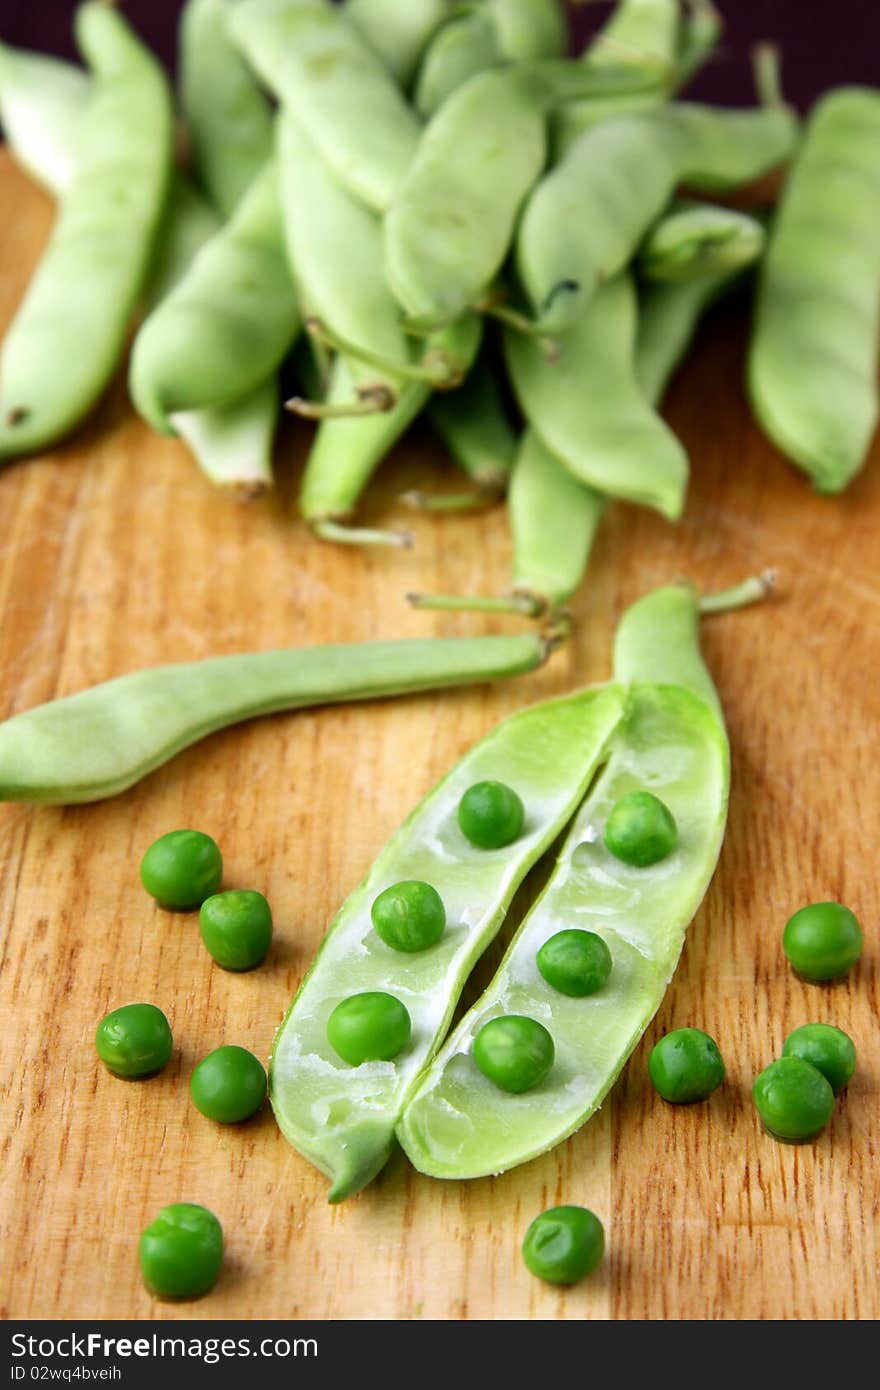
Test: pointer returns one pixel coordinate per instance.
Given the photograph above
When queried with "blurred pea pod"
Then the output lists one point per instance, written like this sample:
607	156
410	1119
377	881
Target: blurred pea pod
694	241
68	335
397	32
228	118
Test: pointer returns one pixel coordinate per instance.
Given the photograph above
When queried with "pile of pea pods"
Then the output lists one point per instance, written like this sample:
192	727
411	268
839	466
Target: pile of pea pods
429	209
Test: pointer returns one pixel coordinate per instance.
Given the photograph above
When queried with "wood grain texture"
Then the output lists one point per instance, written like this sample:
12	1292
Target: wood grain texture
115	554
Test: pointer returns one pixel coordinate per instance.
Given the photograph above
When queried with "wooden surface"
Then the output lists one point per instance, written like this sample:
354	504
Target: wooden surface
115	554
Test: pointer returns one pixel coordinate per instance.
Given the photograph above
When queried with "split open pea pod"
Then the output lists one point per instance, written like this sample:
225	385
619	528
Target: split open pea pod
342	1117
671	742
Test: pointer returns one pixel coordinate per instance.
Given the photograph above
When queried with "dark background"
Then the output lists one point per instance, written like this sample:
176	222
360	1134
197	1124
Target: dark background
824	43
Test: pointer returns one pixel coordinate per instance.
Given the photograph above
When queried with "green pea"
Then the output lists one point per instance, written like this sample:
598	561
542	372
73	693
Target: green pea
369	1027
181	869
515	1052
575	962
228	1085
236	927
181	1251
793	1099
134	1040
490	815
829	1049
564	1244
640	830
685	1066
822	941
409	916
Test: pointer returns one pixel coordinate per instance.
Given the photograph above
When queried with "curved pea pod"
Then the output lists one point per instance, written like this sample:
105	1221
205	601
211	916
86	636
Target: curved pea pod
317	65
100	741
452	218
398	33
340	1117
228	118
70	330
695	241
473	425
42	100
588	410
457	1123
334	245
668	317
553	522
346	452
812	371
467	45
586	217
228	322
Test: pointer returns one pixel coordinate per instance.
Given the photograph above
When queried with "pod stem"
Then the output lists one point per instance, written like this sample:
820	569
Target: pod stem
527	605
371	400
520	323
438	368
484	495
766	74
340	534
751	590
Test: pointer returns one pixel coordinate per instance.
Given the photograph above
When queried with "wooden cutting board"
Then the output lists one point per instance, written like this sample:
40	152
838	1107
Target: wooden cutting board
114	555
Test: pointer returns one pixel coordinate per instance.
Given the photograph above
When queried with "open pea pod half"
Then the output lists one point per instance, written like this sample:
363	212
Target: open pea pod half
672	743
343	1117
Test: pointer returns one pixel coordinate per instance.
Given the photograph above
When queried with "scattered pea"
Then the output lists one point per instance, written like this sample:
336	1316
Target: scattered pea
409	916
515	1052
236	927
829	1049
686	1065
564	1244
640	830
575	962
228	1085
369	1027
181	869
793	1099
822	941
181	1252
490	815
134	1040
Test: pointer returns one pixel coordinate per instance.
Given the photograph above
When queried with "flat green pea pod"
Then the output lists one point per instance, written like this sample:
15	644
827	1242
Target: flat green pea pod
585	219
474	426
315	63
694	241
467	45
346	452
342	1117
227	116
530	29
42	100
588	410
812	370
668	317
101	741
458	1123
228	323
450	224
70	330
398	33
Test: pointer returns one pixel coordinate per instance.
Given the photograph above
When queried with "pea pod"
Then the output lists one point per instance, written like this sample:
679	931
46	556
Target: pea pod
813	357
467	45
228	118
100	741
398	33
585	219
317	65
342	1117
346	452
695	241
457	1123
588	410
473	425
451	220
668	317
69	333
228	323
42	100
